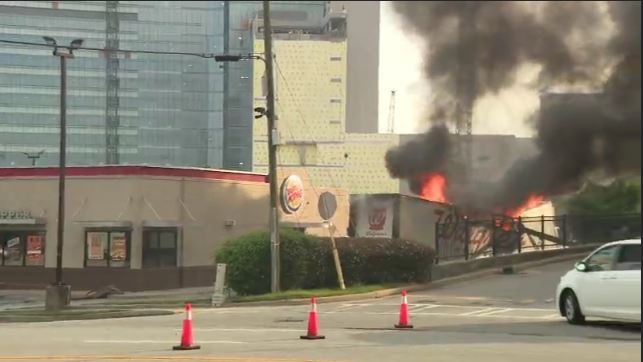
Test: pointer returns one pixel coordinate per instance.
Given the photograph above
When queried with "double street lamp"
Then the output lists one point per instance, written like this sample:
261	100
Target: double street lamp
58	294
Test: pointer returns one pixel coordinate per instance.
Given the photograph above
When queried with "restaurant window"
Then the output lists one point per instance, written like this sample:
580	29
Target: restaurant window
107	248
22	248
159	248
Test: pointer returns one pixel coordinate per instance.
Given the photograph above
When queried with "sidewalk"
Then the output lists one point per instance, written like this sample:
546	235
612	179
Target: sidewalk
10	299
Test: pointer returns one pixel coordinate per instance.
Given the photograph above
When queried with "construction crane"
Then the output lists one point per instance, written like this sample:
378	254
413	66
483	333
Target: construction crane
391	114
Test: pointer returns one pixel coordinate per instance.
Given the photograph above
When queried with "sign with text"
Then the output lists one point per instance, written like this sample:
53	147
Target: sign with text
15	214
292	194
375	218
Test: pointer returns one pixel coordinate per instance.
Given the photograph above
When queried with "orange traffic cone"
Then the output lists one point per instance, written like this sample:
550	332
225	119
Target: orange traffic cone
313	327
187	340
404	313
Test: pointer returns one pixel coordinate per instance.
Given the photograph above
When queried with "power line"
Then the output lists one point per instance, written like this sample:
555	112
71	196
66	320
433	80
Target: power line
124	51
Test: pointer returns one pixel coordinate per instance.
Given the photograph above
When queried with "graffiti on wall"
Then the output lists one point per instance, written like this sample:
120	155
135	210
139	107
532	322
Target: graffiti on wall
457	236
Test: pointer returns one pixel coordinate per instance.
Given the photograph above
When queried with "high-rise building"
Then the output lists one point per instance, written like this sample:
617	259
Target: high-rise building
311	92
122	108
363	38
238	77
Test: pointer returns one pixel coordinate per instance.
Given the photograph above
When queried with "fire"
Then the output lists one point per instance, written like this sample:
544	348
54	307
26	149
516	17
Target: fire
531	202
434	188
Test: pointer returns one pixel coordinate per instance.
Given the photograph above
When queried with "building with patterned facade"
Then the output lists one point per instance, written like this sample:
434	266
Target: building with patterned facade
311	96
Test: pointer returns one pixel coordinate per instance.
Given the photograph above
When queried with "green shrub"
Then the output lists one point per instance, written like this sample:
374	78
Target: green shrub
307	261
381	261
248	260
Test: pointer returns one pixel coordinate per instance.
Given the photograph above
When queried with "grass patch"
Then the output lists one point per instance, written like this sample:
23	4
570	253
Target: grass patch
74	313
308	293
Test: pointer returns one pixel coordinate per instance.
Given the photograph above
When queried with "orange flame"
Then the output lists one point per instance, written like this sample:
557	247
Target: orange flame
434	188
531	202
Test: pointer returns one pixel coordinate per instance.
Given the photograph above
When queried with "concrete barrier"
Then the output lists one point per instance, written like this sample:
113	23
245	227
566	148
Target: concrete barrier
456	268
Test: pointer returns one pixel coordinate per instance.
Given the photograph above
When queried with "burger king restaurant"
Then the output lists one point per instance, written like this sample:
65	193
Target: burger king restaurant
142	227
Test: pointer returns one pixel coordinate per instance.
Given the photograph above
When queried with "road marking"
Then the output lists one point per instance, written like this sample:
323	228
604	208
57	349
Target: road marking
150	341
501	310
480	311
243	330
346	307
424	307
555	315
436	314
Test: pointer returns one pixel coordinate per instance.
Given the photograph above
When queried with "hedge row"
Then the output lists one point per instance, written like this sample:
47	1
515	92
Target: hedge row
307	262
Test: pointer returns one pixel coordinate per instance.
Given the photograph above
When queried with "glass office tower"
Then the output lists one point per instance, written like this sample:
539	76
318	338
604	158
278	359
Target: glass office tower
122	108
134	108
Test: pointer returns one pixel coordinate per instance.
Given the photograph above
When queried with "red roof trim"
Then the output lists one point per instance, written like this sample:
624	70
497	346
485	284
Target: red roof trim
134	171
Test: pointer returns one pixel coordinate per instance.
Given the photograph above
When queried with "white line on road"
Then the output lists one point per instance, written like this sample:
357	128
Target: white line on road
260	330
480	311
501	310
346	307
149	341
555	315
423	307
456	315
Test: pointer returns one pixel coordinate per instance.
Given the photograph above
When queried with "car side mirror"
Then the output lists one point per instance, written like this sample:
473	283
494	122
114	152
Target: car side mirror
581	266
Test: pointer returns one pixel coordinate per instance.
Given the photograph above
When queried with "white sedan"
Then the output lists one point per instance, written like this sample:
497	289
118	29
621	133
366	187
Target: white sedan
606	284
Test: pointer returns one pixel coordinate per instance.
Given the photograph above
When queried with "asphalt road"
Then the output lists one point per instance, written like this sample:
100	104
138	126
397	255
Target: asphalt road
498	318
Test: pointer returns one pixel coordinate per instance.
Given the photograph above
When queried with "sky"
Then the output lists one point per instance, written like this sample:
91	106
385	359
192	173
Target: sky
401	70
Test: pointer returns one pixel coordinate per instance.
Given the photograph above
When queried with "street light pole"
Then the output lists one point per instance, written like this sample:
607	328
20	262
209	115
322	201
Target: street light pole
61	167
272	151
58	294
33	156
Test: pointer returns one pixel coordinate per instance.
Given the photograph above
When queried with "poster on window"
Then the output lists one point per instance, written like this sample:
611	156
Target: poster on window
118	246
35	253
14	252
97	243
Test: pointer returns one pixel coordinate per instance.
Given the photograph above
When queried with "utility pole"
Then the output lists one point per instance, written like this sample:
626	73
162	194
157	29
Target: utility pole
272	151
58	295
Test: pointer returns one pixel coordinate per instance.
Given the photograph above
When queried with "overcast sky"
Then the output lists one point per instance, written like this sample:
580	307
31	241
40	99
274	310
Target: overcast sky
400	70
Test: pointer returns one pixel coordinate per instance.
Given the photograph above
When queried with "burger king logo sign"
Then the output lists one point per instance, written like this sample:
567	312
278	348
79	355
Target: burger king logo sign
292	194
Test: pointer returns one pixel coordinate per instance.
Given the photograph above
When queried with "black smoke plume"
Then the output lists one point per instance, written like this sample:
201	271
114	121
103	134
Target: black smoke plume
476	48
428	152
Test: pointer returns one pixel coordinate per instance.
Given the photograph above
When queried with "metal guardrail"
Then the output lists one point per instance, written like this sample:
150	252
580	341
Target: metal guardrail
463	239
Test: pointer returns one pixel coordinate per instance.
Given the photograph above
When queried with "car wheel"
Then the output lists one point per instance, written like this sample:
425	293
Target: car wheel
571	309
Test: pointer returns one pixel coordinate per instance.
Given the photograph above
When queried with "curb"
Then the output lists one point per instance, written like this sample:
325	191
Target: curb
487	272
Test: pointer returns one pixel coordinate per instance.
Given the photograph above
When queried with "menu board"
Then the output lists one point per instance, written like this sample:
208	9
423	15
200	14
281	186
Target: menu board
96	245
118	247
35	252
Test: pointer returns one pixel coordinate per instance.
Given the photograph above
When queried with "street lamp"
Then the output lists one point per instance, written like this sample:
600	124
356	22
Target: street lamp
269	112
34	156
59	293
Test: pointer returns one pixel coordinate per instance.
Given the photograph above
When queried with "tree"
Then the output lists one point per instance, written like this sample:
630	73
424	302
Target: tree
620	197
